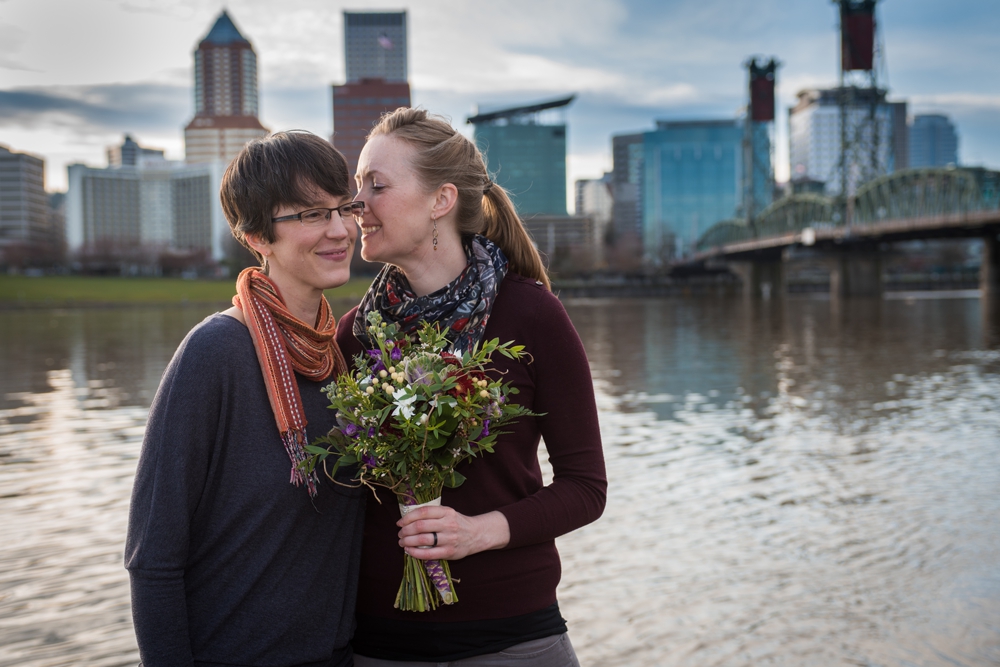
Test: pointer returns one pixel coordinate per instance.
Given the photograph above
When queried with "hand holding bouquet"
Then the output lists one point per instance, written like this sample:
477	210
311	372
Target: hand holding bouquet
406	418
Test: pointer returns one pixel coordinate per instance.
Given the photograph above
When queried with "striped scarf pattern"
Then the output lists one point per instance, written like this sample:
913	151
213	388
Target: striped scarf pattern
286	345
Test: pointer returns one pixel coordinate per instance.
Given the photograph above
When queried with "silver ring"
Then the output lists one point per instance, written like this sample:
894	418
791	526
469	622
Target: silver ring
435	540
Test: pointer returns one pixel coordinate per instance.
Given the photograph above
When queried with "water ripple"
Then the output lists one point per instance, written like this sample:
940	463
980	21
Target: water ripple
789	484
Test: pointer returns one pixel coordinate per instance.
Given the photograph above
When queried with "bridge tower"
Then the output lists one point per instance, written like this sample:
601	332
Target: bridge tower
865	119
758	155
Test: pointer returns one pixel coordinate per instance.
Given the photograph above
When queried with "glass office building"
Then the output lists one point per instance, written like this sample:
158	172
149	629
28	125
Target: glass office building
527	155
933	141
375	46
529	161
693	178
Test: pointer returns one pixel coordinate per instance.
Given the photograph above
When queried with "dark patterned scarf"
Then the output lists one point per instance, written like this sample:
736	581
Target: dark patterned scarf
462	307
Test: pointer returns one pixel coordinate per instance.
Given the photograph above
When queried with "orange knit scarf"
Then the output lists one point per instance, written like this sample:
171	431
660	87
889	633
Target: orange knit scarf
285	344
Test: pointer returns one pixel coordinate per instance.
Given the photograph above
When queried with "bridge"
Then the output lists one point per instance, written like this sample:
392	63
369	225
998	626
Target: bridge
906	205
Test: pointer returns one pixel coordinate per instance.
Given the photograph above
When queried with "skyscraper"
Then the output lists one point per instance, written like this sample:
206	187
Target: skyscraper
375	56
24	210
626	187
356	109
131	154
692	178
225	96
815	136
933	141
526	155
375	46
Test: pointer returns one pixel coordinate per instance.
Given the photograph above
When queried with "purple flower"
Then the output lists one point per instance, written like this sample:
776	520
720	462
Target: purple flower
377	356
486	427
396	353
369	460
350	430
371	432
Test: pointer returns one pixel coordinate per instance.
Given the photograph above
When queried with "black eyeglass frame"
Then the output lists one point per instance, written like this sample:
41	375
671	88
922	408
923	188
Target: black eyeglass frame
354	208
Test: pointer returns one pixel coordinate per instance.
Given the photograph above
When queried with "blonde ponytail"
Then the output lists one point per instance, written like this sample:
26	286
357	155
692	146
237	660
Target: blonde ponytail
504	227
445	156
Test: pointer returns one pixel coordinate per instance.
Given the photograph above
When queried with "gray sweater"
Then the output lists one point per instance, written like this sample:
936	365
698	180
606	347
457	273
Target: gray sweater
231	564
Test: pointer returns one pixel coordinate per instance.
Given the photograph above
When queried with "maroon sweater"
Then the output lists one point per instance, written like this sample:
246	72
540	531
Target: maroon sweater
522	577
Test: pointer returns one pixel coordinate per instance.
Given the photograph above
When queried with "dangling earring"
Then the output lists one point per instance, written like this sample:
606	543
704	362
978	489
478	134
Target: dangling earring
434	220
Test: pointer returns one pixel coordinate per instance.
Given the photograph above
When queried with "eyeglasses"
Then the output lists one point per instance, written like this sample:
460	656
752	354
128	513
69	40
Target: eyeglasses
320	216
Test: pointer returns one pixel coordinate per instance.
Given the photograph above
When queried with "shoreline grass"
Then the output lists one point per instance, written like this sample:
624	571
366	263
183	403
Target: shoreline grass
83	291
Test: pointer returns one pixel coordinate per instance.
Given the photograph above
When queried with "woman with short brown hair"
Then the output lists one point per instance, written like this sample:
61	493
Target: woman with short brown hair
235	556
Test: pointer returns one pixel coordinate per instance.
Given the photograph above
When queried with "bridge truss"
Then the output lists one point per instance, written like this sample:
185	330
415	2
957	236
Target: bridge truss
901	197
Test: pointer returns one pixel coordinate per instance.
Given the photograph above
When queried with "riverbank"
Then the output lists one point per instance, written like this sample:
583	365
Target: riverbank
93	291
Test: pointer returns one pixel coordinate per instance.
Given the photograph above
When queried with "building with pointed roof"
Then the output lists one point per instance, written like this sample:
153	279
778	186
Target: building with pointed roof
225	96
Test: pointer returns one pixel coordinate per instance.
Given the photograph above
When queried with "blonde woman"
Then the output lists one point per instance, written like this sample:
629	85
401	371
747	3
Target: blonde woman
457	254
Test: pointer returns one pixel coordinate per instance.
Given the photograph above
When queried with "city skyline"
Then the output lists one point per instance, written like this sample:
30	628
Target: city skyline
631	63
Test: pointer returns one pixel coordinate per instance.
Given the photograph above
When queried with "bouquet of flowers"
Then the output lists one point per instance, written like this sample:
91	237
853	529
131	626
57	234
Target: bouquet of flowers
406	418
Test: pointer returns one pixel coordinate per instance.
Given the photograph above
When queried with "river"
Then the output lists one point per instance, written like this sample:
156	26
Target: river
792	482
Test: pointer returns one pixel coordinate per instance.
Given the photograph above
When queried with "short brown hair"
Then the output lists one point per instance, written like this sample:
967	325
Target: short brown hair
281	169
445	156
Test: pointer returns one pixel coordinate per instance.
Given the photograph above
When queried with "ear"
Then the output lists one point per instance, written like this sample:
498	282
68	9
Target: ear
262	247
445	199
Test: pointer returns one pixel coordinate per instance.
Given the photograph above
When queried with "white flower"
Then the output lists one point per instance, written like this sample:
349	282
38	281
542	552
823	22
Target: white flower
404	406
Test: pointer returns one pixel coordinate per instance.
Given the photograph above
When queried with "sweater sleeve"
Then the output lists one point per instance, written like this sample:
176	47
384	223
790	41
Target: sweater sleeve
183	424
564	396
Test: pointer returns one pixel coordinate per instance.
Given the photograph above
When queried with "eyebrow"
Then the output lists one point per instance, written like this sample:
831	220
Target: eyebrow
370	172
318	202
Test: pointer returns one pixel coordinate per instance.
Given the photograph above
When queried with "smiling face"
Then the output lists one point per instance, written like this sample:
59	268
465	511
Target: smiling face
396	227
302	260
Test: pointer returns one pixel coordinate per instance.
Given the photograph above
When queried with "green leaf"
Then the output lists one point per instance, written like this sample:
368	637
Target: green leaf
454	480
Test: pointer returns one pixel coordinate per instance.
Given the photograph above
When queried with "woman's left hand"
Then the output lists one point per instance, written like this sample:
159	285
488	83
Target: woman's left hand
456	534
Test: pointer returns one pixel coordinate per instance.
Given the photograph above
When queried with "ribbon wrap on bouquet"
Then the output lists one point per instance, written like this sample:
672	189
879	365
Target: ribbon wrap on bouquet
414	592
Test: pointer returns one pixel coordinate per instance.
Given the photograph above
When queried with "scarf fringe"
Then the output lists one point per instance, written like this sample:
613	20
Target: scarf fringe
295	442
285	345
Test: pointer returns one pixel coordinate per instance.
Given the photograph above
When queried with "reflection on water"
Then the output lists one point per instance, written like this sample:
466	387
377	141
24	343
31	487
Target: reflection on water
798	483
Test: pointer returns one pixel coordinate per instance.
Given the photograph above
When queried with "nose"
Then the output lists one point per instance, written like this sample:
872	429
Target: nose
339	228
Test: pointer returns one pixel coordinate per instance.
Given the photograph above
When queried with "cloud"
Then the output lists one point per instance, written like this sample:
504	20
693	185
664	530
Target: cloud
12	39
959	101
111	107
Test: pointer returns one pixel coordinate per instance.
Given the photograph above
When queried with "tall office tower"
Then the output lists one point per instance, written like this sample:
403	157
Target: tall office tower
693	178
526	153
594	200
375	46
815	136
131	154
900	137
24	211
593	197
375	55
225	96
357	107
933	141
626	187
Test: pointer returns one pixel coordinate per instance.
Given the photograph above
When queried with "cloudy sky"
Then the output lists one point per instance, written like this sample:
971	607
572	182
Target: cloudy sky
75	75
